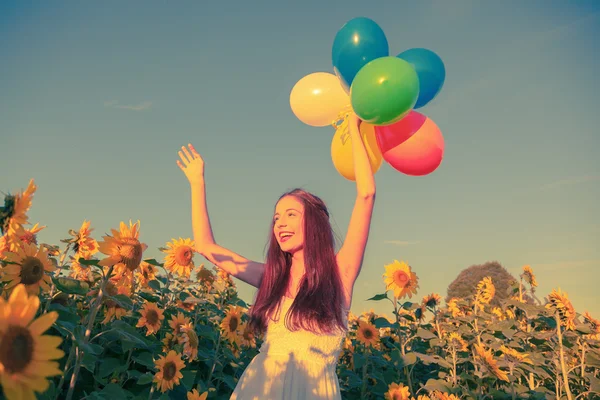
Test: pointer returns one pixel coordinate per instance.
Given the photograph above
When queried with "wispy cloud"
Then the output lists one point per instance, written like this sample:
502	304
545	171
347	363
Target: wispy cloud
569	181
402	242
559	265
140	107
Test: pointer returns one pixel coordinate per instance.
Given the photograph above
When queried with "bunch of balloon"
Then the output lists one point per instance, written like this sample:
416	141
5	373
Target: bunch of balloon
384	92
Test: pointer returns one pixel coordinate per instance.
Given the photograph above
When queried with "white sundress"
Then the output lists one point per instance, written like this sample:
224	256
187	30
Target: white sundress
291	365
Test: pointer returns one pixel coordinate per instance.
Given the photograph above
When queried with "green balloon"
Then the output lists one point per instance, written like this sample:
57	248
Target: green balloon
384	91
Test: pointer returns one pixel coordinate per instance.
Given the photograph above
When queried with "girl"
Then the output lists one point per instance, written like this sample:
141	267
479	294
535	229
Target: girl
302	279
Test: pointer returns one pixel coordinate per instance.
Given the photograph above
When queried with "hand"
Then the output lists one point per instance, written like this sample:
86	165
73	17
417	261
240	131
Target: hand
193	164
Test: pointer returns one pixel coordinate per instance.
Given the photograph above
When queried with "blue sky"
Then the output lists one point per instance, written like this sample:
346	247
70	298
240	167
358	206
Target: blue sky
97	97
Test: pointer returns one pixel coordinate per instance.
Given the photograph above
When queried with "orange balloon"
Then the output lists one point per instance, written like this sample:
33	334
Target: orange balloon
342	153
421	154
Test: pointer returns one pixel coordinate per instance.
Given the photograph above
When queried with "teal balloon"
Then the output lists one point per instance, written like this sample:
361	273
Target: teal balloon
430	70
358	42
384	91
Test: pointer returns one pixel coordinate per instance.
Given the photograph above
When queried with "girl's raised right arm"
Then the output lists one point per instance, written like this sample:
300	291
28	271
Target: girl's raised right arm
245	270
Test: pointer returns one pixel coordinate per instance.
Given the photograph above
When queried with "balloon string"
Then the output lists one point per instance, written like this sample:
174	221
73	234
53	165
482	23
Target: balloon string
341	121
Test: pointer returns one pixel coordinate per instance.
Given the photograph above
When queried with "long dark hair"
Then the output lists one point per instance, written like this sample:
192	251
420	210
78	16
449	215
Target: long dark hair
318	304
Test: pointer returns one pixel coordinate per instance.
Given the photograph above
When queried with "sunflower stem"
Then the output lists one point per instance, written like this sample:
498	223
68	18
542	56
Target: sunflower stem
67	365
88	331
562	357
56	273
151	392
212	369
364	374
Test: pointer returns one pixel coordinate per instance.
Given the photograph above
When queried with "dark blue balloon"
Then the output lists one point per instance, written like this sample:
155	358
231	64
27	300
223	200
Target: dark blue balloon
358	42
430	70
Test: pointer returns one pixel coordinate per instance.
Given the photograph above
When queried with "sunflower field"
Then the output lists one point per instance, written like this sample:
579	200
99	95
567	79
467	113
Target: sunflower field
95	319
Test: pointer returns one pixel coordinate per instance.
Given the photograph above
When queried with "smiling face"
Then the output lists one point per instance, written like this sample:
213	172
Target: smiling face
288	224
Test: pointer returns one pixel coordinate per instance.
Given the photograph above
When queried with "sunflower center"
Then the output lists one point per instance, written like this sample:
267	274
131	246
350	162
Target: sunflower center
152	317
397	396
233	324
16	349
401	278
183	256
368	334
169	370
32	270
130	251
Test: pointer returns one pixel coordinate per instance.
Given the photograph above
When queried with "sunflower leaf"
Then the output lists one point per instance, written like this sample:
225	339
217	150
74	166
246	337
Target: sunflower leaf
130	336
379	297
152	261
425	334
154	284
71	286
145	379
92	262
122	300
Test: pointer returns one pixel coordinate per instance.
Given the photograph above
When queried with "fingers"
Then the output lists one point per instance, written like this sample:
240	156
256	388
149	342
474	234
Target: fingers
194	152
180	165
183	158
187	153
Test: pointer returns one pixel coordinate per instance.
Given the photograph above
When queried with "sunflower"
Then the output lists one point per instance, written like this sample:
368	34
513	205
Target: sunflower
30	265
432	300
145	273
179	258
25	353
437	395
594	323
4	245
28	235
513	356
497	311
14	213
248	339
169	342
397	392
204	275
485	291
367	334
169	371
79	271
486	361
176	323
230	326
453	308
113	310
83	244
400	278
190	341
529	276
151	317
456	342
559	302
195	395
123	249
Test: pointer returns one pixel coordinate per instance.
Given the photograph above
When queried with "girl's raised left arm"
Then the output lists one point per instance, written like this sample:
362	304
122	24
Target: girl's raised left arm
350	256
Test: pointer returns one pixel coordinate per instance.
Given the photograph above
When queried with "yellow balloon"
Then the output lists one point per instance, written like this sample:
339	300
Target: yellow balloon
343	156
317	99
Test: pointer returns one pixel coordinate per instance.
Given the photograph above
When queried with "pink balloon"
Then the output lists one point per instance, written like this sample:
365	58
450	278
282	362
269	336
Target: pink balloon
390	136
420	150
